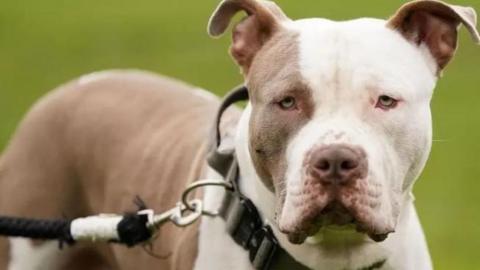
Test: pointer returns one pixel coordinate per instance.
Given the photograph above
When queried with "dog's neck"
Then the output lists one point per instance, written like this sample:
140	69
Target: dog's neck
344	250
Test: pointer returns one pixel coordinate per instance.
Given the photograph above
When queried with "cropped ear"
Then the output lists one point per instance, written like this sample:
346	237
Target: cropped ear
435	24
251	33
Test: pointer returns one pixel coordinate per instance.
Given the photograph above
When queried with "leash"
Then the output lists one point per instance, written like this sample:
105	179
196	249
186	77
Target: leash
243	221
129	229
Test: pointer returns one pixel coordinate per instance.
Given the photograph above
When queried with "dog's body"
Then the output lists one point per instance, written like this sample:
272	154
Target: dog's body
79	152
336	132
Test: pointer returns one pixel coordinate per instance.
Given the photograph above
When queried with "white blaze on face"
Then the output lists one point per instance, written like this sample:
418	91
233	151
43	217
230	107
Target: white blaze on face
348	65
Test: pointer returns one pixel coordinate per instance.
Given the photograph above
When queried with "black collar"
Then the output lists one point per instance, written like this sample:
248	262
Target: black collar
243	221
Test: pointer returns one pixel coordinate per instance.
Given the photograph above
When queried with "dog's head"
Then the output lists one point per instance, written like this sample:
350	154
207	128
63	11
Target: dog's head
339	116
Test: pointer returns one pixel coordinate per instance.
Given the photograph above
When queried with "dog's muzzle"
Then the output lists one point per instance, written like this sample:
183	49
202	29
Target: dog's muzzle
334	192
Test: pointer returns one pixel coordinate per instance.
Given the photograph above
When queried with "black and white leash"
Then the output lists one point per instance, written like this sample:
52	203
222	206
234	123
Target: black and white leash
129	229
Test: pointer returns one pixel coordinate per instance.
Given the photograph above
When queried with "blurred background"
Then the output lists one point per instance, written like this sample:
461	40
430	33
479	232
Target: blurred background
46	43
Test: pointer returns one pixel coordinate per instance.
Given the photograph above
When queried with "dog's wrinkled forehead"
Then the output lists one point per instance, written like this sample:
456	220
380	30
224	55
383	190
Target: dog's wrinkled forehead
360	56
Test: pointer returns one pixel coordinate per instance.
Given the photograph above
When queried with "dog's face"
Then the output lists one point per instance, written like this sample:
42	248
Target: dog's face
340	122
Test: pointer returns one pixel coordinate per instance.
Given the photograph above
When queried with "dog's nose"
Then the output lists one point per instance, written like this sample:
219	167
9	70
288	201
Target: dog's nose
338	164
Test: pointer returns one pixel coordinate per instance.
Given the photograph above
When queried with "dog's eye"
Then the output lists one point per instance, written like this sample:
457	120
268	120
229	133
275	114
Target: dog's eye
288	103
385	102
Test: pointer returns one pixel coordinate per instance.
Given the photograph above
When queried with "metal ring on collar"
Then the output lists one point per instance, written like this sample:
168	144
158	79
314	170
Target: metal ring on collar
199	184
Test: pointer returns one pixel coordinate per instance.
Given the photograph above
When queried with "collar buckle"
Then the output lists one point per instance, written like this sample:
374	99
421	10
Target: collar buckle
245	226
242	220
263	248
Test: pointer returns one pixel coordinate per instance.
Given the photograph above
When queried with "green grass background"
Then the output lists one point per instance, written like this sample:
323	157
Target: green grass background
45	43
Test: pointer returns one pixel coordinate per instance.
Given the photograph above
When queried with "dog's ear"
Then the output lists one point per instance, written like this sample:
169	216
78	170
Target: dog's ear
435	24
251	33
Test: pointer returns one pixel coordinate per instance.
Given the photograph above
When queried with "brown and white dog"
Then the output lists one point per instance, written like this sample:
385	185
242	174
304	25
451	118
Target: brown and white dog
336	132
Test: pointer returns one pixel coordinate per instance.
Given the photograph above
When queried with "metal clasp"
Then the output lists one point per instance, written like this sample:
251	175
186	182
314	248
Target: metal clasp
175	215
181	220
185	211
194	186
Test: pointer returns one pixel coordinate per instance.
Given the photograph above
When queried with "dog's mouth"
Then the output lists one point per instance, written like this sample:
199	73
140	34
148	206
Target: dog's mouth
335	214
336	217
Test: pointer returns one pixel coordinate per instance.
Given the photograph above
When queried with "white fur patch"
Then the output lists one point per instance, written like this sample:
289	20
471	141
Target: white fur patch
216	249
347	65
25	256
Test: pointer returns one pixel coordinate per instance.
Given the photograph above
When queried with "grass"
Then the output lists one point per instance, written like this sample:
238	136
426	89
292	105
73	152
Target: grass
45	43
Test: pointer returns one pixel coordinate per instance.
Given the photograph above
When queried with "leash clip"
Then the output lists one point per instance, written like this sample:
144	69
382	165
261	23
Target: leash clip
199	184
179	219
176	215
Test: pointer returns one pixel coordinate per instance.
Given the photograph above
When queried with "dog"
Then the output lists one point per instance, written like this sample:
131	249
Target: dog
336	131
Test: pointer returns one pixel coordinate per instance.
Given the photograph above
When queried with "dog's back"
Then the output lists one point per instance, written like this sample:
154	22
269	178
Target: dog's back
91	147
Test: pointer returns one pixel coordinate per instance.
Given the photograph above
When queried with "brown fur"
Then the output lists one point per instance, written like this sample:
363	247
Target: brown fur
258	41
267	13
250	35
91	147
269	129
435	23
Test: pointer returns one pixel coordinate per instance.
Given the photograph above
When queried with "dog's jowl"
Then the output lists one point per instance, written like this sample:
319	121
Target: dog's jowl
335	133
